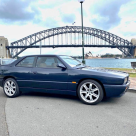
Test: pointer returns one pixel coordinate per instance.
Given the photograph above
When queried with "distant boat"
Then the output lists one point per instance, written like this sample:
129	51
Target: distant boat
117	57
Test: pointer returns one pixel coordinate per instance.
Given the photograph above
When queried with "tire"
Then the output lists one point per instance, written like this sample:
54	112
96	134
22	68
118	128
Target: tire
90	92
10	88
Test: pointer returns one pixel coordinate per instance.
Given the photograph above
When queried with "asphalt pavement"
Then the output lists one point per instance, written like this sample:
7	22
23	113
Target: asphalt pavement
37	114
3	124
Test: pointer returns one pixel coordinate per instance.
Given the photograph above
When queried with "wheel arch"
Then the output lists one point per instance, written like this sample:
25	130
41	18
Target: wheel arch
6	77
94	80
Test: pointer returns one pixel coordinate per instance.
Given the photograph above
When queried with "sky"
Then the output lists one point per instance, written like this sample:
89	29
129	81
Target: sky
20	18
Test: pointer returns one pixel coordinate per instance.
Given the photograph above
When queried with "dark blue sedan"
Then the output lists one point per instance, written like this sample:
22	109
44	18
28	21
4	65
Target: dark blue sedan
64	75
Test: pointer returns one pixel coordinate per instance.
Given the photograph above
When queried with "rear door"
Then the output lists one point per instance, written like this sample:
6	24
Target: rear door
22	72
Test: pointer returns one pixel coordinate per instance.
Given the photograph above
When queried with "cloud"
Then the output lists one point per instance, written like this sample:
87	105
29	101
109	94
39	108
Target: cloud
106	13
12	11
50	23
68	12
126	29
51	3
69	18
116	16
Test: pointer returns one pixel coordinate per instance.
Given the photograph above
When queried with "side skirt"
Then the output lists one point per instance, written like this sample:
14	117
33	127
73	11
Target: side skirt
67	92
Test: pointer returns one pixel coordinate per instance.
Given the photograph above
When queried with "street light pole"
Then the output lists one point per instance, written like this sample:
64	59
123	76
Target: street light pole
81	1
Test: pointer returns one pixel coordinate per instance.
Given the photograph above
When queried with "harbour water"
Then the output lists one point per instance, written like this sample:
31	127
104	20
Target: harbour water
110	63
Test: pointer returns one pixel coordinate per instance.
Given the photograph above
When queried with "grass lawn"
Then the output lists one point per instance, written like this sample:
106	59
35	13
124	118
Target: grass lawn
132	73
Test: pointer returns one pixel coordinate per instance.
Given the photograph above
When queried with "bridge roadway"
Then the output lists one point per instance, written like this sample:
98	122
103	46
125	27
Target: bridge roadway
58	46
38	114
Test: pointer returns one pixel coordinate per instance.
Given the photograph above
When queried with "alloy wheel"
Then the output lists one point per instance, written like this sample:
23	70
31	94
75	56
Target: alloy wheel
10	88
89	92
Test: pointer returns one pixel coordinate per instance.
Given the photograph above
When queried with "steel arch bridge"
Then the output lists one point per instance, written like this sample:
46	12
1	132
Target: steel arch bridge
70	36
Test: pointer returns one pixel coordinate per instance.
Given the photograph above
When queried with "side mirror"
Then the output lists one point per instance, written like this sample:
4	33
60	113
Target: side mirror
61	65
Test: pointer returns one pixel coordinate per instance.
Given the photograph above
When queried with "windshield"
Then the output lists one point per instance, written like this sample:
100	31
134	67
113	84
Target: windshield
71	61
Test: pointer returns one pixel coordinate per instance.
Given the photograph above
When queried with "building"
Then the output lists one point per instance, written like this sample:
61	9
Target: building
4	53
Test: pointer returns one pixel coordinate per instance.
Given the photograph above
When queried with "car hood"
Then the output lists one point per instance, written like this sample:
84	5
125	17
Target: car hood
107	71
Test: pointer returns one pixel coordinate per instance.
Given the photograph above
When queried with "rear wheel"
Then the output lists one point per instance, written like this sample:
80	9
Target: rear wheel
11	88
90	92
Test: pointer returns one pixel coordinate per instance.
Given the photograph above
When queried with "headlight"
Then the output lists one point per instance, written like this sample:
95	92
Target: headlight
125	80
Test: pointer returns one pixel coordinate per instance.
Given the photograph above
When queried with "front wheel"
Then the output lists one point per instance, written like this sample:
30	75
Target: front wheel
90	92
11	88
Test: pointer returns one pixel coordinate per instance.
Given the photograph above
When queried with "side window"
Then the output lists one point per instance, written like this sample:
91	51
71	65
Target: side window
58	61
47	62
27	62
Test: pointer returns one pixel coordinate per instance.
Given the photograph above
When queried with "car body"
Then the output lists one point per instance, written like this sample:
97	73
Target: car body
64	75
6	61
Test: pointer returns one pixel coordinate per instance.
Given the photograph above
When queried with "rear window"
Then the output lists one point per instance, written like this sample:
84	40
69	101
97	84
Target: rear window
27	62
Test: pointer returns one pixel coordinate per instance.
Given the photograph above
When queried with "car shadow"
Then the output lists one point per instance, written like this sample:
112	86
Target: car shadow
52	96
67	97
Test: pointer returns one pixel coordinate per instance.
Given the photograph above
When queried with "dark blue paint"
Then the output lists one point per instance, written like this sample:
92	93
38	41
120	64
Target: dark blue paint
53	78
59	80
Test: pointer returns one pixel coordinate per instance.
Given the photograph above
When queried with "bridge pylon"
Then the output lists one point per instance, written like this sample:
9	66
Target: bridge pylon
133	40
4	52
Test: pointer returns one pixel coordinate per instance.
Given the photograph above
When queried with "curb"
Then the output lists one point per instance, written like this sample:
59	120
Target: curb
132	90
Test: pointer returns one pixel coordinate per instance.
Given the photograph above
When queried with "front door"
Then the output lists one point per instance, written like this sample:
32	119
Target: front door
46	74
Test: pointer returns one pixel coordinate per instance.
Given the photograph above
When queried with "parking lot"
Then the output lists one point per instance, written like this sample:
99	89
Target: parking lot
58	115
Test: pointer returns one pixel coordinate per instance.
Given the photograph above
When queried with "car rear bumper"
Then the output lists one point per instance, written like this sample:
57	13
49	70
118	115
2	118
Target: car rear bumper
116	90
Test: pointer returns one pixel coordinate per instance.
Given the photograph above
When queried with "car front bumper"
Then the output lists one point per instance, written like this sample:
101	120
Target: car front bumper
116	90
